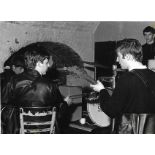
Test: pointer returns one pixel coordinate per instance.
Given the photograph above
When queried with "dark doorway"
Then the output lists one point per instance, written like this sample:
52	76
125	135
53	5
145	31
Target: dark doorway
105	56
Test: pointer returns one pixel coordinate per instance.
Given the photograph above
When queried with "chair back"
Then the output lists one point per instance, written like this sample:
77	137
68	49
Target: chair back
36	120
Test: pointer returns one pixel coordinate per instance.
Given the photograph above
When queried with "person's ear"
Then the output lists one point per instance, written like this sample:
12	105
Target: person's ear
117	59
22	69
128	57
38	64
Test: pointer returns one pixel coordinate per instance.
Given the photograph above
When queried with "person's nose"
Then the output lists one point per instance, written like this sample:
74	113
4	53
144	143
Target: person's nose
117	60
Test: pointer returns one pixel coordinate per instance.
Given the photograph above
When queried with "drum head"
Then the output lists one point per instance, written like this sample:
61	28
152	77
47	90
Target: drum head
97	116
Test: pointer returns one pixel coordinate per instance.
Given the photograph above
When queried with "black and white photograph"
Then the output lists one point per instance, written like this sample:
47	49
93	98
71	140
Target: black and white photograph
77	77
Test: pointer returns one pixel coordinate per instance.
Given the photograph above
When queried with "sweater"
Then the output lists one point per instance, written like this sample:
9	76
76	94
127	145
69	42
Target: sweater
129	96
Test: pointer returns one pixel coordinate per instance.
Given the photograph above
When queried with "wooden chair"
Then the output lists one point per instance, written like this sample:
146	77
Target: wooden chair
37	120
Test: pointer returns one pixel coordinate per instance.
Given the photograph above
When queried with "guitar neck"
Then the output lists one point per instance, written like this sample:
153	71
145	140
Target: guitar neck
81	74
90	79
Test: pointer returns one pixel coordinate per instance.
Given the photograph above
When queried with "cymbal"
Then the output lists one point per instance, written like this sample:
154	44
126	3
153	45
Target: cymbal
87	62
95	64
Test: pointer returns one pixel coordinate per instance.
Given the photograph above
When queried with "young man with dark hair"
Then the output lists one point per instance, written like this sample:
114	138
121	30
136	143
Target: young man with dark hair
149	46
14	65
135	90
31	89
18	65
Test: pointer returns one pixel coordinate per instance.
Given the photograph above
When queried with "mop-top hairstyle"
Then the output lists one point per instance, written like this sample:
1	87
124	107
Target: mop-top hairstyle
130	46
33	55
149	29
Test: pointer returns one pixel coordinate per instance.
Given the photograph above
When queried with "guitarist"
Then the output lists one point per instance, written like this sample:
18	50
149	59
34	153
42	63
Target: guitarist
133	96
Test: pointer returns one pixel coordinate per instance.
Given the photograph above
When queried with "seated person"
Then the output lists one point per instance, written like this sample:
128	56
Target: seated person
31	89
12	66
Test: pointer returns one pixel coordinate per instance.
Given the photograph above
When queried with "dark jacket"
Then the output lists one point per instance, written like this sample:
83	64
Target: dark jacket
6	76
31	89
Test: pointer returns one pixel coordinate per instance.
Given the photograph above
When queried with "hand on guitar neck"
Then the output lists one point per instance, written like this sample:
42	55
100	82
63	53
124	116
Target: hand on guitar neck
98	86
68	100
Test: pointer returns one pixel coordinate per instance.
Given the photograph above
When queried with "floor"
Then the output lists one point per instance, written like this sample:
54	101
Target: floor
87	128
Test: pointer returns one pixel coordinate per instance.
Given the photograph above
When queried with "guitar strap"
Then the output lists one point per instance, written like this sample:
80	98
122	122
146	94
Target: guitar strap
135	123
142	77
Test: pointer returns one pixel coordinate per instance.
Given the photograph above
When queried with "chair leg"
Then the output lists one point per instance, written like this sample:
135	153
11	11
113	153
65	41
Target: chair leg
21	122
52	129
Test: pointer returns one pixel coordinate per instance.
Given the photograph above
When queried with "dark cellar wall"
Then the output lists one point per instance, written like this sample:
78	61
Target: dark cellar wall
108	33
105	55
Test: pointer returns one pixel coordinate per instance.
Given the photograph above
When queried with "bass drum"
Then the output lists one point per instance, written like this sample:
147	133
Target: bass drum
97	116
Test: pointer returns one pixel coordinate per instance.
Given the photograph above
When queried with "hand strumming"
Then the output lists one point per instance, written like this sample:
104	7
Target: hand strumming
68	100
97	87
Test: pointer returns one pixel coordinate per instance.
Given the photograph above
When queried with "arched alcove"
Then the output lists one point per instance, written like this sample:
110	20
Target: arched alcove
63	55
68	65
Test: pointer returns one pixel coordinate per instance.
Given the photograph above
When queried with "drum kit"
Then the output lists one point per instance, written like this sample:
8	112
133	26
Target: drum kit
97	116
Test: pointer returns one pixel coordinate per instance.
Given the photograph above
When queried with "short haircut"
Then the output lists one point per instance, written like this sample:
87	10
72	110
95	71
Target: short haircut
34	54
130	46
18	61
149	29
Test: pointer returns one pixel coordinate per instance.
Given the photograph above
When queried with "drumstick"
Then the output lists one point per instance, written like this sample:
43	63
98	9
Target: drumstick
75	96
